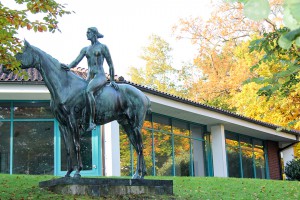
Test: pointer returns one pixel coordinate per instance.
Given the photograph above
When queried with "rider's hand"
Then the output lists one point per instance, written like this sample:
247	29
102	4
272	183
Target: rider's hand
64	66
5	70
114	85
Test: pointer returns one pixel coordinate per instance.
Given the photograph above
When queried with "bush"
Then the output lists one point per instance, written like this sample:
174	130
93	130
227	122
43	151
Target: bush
292	170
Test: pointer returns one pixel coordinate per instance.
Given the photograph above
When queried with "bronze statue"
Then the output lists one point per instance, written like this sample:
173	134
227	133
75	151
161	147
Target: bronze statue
95	54
127	104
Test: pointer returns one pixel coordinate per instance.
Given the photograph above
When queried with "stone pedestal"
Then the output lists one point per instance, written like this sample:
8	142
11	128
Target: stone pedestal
101	187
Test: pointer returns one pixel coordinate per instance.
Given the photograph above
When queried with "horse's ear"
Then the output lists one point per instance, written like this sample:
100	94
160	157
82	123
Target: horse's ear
26	44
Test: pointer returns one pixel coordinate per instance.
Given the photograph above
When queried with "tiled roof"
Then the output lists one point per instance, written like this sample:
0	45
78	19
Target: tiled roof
34	77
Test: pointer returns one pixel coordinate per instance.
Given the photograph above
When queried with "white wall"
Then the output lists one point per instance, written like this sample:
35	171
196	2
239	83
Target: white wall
288	155
219	150
112	149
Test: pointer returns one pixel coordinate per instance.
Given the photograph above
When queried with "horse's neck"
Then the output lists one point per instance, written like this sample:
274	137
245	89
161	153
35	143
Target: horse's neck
61	84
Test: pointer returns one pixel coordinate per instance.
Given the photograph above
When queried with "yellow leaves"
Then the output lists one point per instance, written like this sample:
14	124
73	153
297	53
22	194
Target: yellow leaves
297	150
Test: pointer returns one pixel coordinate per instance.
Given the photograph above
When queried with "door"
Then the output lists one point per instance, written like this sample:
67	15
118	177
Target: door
90	152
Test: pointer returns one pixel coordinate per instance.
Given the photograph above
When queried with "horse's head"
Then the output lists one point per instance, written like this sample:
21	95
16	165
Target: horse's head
27	58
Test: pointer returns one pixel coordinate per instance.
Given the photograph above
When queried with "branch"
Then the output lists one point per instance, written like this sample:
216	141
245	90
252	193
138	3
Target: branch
273	25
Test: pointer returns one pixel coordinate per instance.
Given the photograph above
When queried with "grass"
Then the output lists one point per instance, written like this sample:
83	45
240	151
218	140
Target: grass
26	187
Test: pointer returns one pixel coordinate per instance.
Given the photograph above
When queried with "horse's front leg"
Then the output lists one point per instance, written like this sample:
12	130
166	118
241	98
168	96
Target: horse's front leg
68	146
74	127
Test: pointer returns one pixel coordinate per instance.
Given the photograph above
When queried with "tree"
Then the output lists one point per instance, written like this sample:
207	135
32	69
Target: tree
158	72
223	60
260	9
45	18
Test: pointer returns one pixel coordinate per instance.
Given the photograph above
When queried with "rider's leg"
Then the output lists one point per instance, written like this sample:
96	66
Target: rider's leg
91	106
94	85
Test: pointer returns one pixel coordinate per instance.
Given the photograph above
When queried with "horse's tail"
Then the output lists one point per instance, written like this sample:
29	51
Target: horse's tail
149	110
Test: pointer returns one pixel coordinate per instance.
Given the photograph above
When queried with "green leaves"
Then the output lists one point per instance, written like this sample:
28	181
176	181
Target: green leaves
257	9
283	63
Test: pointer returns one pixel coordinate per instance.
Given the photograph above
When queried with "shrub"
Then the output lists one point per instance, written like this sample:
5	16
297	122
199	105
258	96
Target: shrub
292	170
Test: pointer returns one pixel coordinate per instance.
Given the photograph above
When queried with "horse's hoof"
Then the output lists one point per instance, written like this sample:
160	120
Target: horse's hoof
135	176
67	176
91	127
77	175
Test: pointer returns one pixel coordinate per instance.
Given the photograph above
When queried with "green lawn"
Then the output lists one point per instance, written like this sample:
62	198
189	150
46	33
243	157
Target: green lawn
26	187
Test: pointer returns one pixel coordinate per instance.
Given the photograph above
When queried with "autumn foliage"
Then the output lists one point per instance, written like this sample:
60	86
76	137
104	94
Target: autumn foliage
44	17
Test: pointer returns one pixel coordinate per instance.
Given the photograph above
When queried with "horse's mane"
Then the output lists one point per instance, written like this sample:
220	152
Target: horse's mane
48	56
54	61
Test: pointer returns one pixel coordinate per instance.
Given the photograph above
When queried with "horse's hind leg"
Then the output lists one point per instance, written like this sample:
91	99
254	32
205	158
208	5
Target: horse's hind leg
140	147
131	133
68	147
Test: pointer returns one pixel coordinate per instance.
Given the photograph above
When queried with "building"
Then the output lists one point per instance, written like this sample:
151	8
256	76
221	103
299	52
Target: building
181	138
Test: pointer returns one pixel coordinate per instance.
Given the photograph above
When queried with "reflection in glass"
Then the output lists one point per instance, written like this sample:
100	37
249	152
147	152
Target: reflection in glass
247	160
259	159
163	154
198	150
38	110
182	156
160	135
180	128
247	157
4	110
147	122
161	123
85	151
147	142
33	148
125	155
233	160
198	157
260	165
250	152
4	147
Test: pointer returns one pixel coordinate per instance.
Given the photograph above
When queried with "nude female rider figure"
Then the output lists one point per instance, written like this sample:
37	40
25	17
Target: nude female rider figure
95	54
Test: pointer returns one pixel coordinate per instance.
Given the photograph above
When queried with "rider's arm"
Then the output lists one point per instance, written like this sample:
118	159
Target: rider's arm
111	68
78	59
109	62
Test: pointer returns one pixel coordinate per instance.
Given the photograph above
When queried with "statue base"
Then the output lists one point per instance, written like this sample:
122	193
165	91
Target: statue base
101	187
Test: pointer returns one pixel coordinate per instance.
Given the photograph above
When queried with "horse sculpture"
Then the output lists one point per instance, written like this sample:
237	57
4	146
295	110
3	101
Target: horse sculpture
128	106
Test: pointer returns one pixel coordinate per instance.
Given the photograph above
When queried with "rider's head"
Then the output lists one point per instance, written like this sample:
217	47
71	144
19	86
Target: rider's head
95	31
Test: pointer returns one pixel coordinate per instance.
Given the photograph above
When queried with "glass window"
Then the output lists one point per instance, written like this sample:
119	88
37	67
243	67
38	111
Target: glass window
163	154
147	122
247	160
246	154
161	123
33	148
233	155
233	160
247	157
198	157
198	150
166	159
4	147
147	142
180	128
182	156
38	110
85	151
125	154
197	131
259	159
4	110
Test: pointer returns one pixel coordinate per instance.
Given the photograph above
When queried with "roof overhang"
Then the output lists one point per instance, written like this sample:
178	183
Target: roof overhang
210	118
